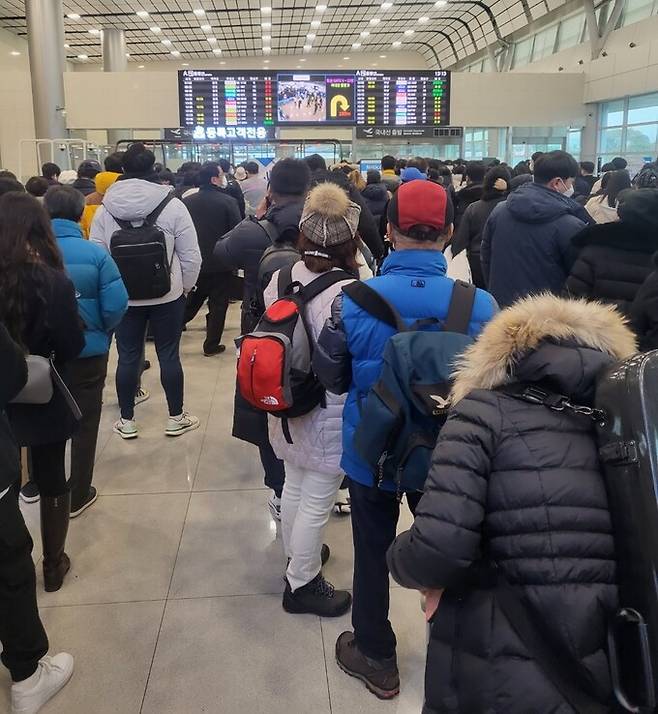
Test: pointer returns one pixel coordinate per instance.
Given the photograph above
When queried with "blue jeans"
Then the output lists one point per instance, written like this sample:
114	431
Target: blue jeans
166	323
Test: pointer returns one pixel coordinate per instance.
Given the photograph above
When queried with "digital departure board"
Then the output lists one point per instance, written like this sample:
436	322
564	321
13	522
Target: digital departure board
402	98
315	97
220	100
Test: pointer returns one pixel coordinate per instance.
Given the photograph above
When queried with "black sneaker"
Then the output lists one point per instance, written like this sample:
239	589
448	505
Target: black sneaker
319	597
30	492
380	676
325	553
90	500
214	350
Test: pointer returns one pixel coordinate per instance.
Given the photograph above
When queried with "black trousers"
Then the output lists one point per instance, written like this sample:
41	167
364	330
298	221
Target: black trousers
48	468
87	380
375	515
24	641
216	287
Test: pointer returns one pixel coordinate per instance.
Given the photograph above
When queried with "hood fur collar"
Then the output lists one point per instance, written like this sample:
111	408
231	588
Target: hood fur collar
519	329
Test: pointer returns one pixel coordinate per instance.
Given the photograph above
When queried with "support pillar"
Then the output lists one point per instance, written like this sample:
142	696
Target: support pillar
45	37
115	60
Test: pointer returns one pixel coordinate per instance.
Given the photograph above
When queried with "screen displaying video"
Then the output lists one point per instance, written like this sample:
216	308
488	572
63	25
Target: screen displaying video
315	98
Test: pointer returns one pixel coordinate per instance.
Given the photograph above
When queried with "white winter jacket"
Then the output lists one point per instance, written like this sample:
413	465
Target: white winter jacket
316	436
133	200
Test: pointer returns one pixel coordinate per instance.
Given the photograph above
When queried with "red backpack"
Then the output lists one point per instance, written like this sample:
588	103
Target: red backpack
274	361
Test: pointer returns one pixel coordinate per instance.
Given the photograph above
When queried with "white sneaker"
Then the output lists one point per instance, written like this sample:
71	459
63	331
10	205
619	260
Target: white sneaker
125	428
52	674
141	395
179	425
343	502
274	504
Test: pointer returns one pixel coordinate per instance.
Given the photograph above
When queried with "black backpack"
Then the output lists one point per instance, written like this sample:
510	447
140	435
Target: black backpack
647	178
141	255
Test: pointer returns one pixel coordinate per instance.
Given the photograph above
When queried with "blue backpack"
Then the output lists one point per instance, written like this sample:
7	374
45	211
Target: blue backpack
406	408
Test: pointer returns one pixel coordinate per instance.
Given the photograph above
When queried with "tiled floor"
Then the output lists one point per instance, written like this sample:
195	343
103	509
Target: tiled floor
173	604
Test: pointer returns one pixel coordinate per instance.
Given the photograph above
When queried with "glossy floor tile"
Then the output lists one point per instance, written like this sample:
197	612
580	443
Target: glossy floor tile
173	604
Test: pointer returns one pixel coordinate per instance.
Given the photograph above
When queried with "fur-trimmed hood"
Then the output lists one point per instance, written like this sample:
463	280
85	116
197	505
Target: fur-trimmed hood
545	338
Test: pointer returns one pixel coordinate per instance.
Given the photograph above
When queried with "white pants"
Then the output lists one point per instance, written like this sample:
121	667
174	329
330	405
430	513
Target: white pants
306	504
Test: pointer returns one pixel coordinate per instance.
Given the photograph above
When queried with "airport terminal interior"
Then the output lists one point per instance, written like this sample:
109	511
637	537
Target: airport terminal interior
488	170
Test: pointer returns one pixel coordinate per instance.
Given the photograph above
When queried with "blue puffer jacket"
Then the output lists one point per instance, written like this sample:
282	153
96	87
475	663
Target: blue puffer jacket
351	345
101	294
526	244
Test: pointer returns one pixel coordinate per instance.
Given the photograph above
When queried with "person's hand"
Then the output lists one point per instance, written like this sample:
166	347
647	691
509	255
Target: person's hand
432	600
262	208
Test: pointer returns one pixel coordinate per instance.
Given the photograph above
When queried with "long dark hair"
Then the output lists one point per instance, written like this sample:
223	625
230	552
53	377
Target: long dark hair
26	244
617	181
343	256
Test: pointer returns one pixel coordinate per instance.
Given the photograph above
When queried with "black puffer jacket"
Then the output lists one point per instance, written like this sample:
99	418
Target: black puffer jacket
518	485
12	379
644	311
614	260
376	198
464	198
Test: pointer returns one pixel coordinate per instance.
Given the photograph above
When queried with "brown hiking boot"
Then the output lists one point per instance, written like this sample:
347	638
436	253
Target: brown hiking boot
380	676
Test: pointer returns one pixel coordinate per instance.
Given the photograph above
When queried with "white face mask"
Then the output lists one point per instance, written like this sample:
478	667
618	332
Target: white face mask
569	190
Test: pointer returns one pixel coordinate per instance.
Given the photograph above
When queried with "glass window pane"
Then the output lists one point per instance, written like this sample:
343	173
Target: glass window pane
570	31
544	43
636	10
642	139
522	52
610	141
612	113
574	143
643	109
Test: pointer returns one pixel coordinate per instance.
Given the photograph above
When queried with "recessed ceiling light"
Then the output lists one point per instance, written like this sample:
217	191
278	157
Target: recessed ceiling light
141	66
315	23
423	19
83	57
199	12
375	21
320	8
387	5
340	66
266	38
157	30
266	61
14	53
298	66
266	25
142	13
397	43
185	64
206	28
94	31
127	54
266	10
365	33
307	48
167	43
382	56
440	3
217	51
212	40
356	45
175	53
374	64
311	35
223	62
302	60
345	58
267	50
73	16
409	32
67	47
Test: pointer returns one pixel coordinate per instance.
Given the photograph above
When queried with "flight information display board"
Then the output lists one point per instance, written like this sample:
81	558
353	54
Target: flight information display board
219	100
315	97
402	98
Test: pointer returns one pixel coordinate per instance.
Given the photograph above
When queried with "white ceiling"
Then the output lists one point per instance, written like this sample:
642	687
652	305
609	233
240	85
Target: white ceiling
449	33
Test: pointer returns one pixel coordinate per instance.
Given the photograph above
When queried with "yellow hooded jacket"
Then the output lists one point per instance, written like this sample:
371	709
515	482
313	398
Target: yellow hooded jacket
103	181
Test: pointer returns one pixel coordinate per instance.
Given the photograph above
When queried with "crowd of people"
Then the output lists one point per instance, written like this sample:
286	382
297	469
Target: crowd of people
339	276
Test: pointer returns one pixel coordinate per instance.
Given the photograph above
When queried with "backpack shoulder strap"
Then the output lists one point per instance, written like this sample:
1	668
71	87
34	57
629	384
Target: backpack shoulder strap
270	229
323	282
461	308
285	279
155	213
374	304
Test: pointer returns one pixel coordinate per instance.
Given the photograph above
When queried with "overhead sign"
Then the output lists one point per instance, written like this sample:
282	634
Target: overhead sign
220	133
407	132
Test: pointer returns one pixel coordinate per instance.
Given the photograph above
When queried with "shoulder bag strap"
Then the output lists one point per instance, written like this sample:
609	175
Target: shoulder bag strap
566	674
270	229
323	282
374	304
285	279
155	213
461	308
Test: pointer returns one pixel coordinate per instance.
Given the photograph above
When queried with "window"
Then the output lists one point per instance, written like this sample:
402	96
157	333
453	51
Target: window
570	32
476	143
574	142
643	109
522	52
612	113
636	10
544	43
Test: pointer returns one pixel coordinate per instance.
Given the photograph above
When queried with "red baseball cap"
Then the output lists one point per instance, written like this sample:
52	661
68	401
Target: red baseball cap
420	204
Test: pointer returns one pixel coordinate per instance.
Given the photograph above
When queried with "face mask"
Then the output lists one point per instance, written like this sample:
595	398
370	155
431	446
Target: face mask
569	190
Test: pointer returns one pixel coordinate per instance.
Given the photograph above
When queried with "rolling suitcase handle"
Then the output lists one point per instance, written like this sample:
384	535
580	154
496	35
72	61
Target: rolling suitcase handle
628	616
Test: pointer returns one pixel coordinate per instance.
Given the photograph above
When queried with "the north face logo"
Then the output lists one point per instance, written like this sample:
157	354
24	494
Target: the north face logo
270	401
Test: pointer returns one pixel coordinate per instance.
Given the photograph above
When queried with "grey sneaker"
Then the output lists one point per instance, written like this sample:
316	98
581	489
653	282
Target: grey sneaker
179	425
141	395
125	428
